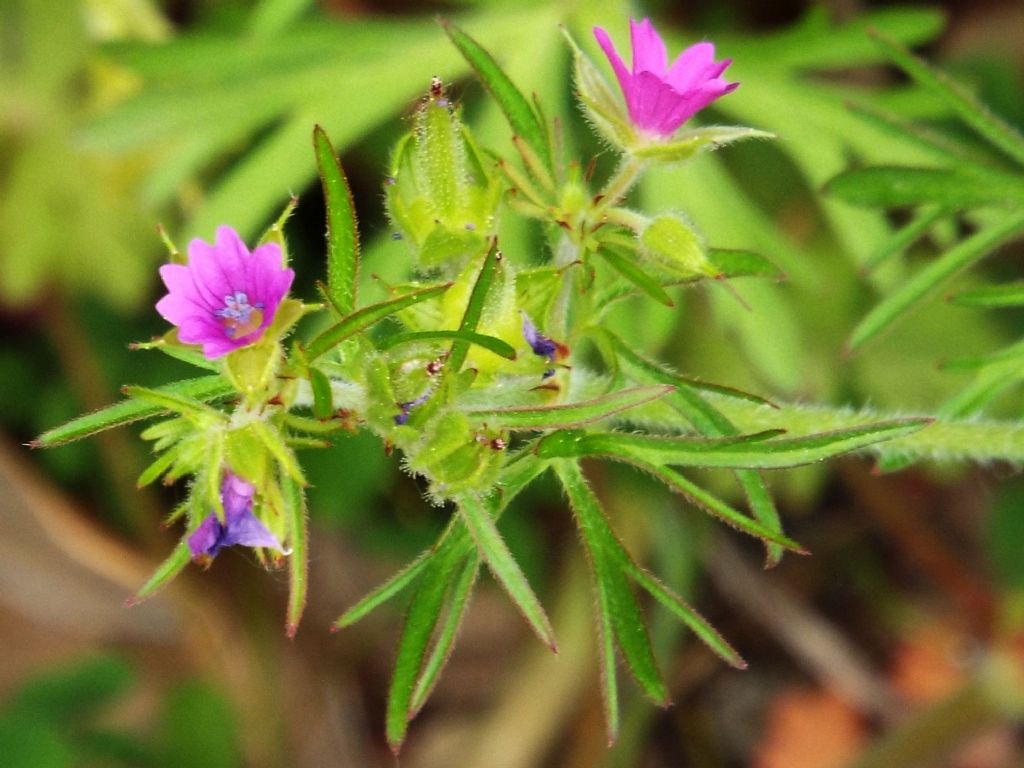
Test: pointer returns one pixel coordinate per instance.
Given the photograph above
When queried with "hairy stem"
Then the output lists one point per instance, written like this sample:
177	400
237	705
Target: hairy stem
944	440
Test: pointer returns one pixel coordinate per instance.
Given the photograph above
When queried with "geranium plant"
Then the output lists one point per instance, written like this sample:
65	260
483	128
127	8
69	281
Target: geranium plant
494	367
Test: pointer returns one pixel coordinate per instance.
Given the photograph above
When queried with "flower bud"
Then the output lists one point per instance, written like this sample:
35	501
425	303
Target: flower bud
673	245
441	196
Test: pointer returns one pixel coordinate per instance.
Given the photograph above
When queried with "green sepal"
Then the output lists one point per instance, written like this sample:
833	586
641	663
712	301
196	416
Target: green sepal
246	454
275	232
686	144
251	368
158	467
283	455
171	346
602	106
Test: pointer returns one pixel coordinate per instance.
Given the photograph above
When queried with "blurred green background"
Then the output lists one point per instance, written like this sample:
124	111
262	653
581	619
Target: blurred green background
119	114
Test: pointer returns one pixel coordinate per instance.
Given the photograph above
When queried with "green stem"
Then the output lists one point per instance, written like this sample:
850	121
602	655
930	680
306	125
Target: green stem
618	185
944	440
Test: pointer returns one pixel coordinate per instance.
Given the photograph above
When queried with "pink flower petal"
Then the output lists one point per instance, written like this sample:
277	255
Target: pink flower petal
649	53
621	73
225	297
660	98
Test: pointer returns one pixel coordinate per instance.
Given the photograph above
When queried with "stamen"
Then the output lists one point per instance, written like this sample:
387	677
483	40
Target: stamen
238	316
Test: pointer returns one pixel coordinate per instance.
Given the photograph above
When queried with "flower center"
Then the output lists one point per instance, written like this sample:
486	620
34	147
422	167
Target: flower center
238	316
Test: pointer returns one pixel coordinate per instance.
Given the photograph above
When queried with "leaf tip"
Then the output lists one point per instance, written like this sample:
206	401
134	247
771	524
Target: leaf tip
132	601
290	629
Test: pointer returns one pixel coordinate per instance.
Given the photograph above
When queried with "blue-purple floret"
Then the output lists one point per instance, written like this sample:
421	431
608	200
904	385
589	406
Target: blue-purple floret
406	408
240	525
541	345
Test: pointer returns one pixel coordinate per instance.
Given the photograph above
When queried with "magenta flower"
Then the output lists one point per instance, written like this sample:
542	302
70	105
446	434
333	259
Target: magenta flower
225	297
240	525
661	98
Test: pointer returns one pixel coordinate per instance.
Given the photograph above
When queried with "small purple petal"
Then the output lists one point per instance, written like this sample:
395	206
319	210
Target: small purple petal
539	343
240	525
225	297
660	98
204	540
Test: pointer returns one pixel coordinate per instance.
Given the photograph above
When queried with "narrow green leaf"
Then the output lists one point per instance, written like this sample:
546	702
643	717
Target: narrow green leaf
607	666
710	422
520	471
938	146
506	570
588	513
748	452
966	105
762	506
160	465
656	373
738	263
932	277
686	614
323	406
631	628
389	589
168	569
892	186
425	609
907	235
492	343
517	109
474	310
628	268
171	401
367	316
458	602
1013	354
298	560
204	389
569	414
1005	295
273	442
715	506
342	234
